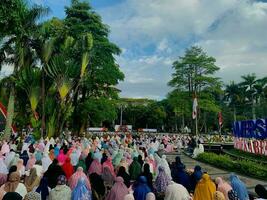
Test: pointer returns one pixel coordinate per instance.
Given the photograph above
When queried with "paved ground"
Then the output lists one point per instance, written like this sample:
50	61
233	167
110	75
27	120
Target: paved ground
215	172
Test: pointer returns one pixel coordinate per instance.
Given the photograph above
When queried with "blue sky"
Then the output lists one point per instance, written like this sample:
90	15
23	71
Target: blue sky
154	33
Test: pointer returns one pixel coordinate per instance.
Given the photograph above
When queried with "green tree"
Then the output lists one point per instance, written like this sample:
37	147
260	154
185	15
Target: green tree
103	72
233	95
17	42
249	82
194	73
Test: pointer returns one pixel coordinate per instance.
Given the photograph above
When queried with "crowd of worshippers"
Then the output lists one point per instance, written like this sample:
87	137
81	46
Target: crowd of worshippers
112	167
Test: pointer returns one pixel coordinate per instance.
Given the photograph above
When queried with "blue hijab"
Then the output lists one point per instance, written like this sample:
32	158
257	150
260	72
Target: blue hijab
56	151
81	191
196	176
180	176
141	189
38	156
239	187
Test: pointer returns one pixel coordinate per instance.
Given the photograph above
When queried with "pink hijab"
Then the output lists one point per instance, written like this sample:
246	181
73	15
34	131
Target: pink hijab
76	177
5	148
118	191
169	148
70	151
128	158
223	187
95	167
108	164
61	158
31	162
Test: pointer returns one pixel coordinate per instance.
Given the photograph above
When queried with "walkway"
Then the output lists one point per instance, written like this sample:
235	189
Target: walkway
215	172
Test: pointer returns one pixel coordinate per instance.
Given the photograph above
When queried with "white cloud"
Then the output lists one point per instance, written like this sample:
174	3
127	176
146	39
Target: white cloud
156	32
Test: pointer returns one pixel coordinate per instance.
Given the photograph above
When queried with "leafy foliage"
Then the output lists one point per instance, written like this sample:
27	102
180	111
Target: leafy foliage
241	166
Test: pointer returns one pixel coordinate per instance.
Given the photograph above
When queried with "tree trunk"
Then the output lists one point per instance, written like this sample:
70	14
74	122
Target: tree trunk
10	114
82	128
43	104
183	121
234	114
253	109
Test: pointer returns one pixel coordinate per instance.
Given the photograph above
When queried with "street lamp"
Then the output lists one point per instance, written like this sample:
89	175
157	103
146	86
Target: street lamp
122	107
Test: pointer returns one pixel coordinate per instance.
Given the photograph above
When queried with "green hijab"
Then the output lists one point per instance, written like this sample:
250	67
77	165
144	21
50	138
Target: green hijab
135	169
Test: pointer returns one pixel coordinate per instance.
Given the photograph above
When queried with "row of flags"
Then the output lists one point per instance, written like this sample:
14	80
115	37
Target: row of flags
194	113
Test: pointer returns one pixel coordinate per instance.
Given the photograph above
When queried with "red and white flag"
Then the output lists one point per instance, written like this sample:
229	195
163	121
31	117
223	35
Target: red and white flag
194	113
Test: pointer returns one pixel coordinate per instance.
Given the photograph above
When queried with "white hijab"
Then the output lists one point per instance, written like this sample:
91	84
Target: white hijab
3	167
165	165
46	161
176	191
10	156
129	197
74	156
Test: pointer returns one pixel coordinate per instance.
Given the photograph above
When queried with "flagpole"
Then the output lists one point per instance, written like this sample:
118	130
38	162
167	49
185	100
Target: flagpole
196	125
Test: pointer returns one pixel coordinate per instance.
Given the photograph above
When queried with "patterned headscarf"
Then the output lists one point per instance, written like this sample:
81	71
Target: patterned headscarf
162	180
32	196
218	196
62	180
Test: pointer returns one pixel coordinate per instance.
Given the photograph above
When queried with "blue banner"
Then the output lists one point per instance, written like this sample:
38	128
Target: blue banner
251	129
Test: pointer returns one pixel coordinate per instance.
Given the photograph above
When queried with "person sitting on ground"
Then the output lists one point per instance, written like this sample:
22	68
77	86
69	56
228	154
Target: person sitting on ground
25	157
43	189
20	167
13	185
118	191
3	171
141	189
32	181
162	181
205	188
126	177
218	196
98	187
199	149
61	191
150	196
176	191
148	176
135	169
12	196
107	177
68	168
195	177
180	176
239	187
32	196
81	191
79	174
223	187
178	163
95	167
52	174
261	192
140	160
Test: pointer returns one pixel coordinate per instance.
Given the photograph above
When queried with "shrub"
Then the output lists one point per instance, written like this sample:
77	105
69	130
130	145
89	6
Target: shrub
245	167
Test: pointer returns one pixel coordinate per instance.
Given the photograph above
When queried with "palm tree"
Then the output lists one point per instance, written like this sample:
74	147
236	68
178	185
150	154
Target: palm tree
17	48
29	79
249	82
232	95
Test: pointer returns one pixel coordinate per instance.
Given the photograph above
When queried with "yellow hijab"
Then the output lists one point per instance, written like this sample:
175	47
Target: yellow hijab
205	188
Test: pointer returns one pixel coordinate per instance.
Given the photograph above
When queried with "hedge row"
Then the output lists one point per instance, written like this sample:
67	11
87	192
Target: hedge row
245	167
255	157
